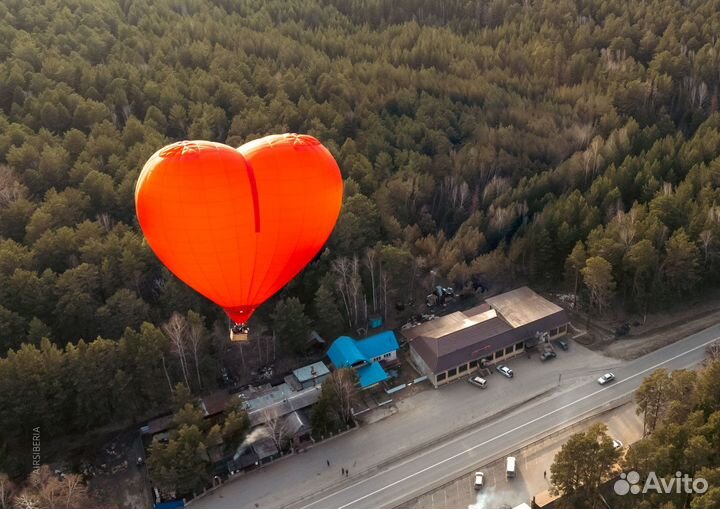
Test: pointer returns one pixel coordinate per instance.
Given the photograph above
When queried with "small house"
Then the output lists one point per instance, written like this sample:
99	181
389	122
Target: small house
367	356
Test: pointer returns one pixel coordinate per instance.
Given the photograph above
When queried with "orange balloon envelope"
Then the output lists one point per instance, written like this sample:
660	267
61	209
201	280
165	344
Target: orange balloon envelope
238	224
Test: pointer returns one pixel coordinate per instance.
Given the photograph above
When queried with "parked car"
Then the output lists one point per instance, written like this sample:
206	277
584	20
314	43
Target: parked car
606	378
548	354
504	370
563	344
479	480
617	444
478	381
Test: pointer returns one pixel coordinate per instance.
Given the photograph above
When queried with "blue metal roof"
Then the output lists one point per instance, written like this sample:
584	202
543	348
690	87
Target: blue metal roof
377	345
371	375
344	353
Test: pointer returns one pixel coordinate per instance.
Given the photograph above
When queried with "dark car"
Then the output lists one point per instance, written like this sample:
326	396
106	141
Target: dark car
563	344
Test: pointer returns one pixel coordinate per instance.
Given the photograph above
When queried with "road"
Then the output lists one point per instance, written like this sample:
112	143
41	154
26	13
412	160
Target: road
416	474
533	462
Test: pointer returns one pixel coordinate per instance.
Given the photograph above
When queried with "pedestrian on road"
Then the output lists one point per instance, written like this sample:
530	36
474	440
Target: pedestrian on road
347	473
342	471
545	474
328	462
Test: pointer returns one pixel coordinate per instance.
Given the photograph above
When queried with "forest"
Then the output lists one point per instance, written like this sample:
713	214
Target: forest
572	145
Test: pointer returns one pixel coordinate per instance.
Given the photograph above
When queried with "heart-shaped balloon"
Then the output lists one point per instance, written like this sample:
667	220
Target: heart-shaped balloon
238	224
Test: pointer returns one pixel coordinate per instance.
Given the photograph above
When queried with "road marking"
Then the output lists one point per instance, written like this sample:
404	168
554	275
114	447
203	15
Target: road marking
526	424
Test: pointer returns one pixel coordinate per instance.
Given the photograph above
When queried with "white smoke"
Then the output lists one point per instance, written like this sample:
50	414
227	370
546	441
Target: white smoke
486	499
253	436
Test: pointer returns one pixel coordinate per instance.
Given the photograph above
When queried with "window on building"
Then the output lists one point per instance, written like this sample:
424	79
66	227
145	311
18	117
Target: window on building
452	372
519	346
473	364
463	368
498	354
441	377
553	332
508	350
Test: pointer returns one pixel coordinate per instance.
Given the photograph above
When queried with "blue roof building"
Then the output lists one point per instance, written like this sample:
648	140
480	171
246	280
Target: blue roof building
365	355
371	374
375	347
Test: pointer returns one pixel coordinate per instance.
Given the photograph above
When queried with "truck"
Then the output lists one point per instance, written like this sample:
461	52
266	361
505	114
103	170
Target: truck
510	467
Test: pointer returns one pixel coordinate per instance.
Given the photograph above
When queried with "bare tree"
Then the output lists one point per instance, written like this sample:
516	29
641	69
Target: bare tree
167	375
342	385
627	223
175	329
26	501
45	490
74	491
706	238
713	350
341	267
370	262
7	490
276	425
10	187
384	284
196	335
355	288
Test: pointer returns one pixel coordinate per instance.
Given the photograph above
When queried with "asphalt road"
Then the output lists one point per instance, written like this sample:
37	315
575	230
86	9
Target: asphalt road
417	474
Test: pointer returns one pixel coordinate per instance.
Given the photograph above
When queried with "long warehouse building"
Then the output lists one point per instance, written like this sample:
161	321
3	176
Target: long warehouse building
503	326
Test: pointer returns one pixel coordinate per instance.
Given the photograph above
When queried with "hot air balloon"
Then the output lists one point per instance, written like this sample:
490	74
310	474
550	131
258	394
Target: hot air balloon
237	225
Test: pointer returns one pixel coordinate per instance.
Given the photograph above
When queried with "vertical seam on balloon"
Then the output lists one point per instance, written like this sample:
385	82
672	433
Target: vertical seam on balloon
254	193
254	292
249	297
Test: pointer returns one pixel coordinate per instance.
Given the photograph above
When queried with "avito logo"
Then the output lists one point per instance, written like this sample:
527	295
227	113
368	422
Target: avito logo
680	483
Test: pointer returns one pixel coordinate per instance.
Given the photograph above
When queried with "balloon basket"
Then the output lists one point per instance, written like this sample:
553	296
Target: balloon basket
239	333
238	337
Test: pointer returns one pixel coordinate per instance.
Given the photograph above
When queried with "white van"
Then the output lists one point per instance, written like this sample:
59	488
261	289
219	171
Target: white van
510	467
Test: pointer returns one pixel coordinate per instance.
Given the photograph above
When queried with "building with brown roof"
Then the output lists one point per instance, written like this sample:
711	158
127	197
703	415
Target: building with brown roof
503	326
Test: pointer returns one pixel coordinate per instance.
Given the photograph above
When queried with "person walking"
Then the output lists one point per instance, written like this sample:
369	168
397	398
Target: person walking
545	474
328	462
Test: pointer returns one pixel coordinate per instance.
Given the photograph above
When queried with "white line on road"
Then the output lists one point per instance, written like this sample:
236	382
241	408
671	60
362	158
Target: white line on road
526	424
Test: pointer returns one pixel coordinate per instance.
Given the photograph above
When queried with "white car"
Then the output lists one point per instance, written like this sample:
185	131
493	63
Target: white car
478	381
606	378
504	370
617	444
479	478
